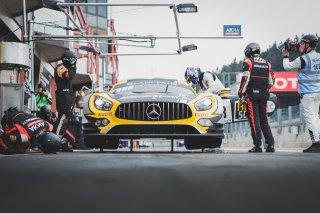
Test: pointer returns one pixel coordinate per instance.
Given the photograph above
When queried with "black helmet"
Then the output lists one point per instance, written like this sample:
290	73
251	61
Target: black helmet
251	49
41	85
50	142
311	39
11	110
192	75
69	58
45	112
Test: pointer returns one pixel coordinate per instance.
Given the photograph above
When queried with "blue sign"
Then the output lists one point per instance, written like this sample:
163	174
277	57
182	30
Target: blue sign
231	30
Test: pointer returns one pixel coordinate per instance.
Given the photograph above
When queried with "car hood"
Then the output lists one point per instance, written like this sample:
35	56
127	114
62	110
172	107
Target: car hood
153	97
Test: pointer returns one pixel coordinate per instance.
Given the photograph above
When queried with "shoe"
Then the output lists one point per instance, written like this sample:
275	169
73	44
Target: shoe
314	148
214	150
65	148
255	149
270	148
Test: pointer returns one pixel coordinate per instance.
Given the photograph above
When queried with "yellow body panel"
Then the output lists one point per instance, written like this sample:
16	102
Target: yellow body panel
114	121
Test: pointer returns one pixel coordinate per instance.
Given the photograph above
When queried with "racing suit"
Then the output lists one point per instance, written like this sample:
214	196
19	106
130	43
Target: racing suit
256	81
209	82
20	130
308	66
63	78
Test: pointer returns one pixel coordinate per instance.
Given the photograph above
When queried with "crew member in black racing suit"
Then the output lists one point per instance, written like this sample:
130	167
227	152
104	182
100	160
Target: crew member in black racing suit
21	130
256	81
64	73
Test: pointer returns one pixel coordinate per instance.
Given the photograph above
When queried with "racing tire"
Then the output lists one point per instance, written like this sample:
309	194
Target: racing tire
201	143
111	144
98	142
211	143
94	142
192	143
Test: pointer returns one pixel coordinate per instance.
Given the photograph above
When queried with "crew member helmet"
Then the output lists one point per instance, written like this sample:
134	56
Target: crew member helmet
45	112
69	58
251	49
312	40
192	75
50	143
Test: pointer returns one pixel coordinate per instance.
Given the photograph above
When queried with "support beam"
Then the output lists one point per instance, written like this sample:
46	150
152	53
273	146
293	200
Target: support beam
172	145
25	35
131	145
177	28
84	37
114	5
5	17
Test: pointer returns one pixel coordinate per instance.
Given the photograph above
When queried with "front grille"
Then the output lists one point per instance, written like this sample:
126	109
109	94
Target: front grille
153	111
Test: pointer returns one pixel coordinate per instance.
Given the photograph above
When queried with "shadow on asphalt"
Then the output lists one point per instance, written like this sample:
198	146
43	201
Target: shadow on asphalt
197	152
168	151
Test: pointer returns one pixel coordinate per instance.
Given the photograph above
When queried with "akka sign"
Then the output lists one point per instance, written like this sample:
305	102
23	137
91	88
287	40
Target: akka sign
232	30
285	82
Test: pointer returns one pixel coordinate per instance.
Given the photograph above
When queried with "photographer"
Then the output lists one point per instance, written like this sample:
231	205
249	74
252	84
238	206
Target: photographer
43	99
308	65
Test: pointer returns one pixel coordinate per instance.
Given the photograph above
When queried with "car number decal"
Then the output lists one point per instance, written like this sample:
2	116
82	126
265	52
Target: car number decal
227	110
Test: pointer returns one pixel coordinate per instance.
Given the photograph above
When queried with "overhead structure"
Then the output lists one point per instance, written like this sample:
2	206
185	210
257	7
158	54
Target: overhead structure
181	8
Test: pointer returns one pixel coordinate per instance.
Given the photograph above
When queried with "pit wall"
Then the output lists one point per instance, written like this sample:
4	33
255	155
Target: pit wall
288	135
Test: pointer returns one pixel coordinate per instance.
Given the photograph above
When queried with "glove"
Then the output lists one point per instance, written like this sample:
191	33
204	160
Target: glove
240	95
242	101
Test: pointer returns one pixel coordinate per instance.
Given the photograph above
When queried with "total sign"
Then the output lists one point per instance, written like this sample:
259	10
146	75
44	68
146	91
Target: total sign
285	82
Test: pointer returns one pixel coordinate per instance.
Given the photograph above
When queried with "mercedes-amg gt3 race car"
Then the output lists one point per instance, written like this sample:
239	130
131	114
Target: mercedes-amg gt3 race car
157	108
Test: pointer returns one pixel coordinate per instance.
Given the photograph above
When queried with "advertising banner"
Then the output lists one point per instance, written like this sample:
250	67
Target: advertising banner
231	30
285	82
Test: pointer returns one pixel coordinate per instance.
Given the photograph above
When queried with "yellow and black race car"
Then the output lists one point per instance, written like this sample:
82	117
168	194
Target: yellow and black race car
157	108
153	108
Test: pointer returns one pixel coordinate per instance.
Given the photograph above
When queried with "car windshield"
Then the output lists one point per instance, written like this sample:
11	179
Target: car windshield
152	87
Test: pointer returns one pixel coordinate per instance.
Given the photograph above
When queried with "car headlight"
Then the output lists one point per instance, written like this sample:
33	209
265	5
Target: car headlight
102	103
203	104
204	122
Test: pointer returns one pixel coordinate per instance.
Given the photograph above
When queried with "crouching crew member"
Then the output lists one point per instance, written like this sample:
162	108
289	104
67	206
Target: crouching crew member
22	130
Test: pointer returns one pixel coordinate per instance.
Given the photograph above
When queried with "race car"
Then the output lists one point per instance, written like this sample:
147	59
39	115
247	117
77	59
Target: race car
157	108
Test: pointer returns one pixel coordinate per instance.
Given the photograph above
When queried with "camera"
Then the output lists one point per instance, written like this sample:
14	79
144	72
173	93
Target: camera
291	46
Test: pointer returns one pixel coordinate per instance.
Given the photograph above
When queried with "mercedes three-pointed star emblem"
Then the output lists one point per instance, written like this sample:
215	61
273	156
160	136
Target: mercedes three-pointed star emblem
153	111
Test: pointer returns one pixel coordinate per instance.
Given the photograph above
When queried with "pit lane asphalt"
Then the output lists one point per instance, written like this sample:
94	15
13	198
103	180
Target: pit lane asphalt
89	181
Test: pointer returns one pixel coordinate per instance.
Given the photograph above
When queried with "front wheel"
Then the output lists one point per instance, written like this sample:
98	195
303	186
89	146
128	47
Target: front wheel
111	144
98	142
202	143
